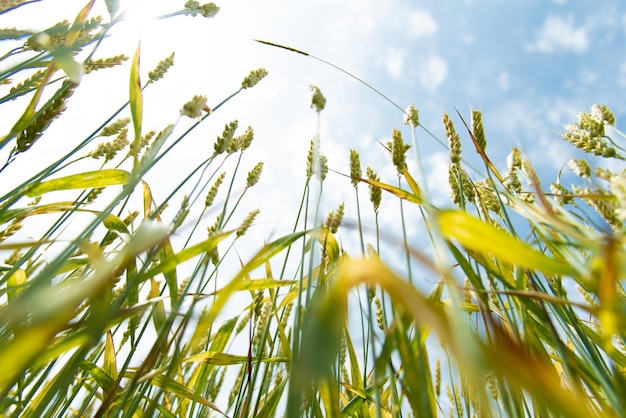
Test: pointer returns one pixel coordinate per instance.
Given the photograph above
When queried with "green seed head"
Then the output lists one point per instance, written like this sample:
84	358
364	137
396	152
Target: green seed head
318	101
355	167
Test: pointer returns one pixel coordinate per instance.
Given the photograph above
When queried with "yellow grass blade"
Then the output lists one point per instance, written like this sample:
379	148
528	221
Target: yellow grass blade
15	284
218	358
110	362
415	188
260	284
402	194
483	238
86	180
136	98
504	355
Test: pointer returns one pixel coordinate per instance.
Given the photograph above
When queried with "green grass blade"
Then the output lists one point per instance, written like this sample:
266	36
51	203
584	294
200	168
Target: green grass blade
136	99
86	180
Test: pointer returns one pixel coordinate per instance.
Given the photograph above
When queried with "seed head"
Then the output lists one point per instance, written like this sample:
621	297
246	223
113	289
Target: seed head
514	160
310	160
246	138
398	150
323	166
210	197
460	185
376	194
241	230
99	64
454	142
11	33
334	219
597	199
44	117
318	101
162	67
182	213
411	117
115	127
223	142
589	133
355	167
254	175
31	82
253	78
108	150
512	182
194	107
562	196
477	129
487	196
602	114
580	168
193	8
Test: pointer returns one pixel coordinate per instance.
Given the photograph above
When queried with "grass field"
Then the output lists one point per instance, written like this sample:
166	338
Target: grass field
128	305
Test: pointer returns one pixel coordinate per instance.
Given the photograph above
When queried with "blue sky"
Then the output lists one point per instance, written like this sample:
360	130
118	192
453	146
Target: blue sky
529	66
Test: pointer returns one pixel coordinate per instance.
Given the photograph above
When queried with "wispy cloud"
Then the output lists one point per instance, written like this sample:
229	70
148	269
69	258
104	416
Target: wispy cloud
421	24
433	72
559	34
394	62
437	178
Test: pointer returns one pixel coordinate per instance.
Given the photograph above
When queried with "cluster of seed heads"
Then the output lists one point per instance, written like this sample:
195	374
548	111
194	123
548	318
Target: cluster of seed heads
589	135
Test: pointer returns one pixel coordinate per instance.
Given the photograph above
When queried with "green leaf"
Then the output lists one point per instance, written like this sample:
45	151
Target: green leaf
114	223
179	389
87	180
102	378
110	362
136	97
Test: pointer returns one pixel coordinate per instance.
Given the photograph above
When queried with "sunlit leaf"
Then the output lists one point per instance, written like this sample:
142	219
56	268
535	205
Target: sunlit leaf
15	284
87	180
71	67
136	96
110	358
481	237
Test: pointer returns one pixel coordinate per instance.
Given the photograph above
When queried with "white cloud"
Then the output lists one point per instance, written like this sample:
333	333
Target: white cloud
437	177
433	72
421	24
394	62
504	81
468	38
560	34
588	77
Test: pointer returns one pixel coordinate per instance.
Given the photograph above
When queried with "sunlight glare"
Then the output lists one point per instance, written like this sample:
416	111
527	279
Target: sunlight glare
137	14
